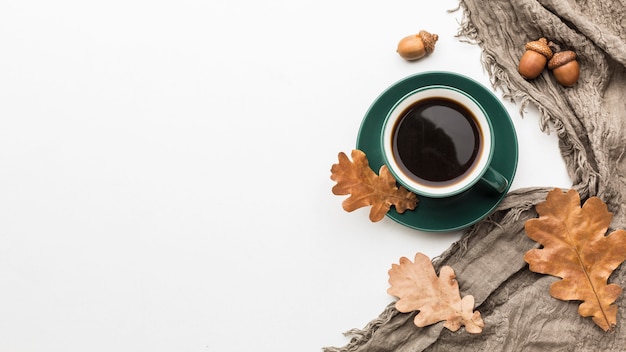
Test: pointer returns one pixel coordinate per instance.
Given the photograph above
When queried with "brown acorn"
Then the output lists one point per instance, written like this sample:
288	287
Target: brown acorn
416	46
565	67
535	58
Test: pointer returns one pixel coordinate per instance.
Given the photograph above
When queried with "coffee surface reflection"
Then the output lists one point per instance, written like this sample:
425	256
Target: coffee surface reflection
436	141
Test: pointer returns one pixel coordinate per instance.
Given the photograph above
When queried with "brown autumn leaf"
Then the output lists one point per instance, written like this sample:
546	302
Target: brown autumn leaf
366	188
576	250
436	298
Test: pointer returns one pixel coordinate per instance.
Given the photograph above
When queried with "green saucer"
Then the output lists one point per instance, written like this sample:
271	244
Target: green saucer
465	209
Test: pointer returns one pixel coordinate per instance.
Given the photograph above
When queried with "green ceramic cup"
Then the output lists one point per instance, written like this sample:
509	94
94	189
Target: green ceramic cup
438	142
466	208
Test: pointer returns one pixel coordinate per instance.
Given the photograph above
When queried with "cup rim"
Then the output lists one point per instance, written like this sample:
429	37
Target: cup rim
479	168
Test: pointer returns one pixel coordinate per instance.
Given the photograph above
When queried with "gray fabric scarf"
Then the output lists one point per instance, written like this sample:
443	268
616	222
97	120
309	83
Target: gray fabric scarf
590	119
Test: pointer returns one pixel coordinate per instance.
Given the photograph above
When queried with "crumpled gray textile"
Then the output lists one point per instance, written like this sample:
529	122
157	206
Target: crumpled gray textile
590	121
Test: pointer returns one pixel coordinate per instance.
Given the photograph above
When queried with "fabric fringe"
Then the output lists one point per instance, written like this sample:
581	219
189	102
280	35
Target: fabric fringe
585	179
499	79
359	337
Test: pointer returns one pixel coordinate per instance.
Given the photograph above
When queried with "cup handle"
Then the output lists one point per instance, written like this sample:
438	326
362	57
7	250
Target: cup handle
495	180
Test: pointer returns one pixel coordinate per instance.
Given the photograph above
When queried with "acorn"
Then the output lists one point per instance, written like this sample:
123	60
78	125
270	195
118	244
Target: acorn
416	46
535	58
565	67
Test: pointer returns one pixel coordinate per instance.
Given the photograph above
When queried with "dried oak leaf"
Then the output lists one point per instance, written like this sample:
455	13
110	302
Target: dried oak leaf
576	250
366	188
436	298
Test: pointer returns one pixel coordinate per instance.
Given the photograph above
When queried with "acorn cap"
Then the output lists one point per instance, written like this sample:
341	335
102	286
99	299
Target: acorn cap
429	40
561	58
540	46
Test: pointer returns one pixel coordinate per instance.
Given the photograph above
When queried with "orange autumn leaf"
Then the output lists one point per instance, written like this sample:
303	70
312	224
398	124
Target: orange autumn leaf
436	298
366	188
576	250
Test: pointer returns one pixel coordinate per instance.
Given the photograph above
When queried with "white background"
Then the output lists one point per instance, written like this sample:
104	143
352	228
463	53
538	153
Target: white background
165	170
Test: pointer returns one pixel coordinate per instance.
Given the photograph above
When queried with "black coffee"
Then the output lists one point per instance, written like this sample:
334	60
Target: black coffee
437	141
